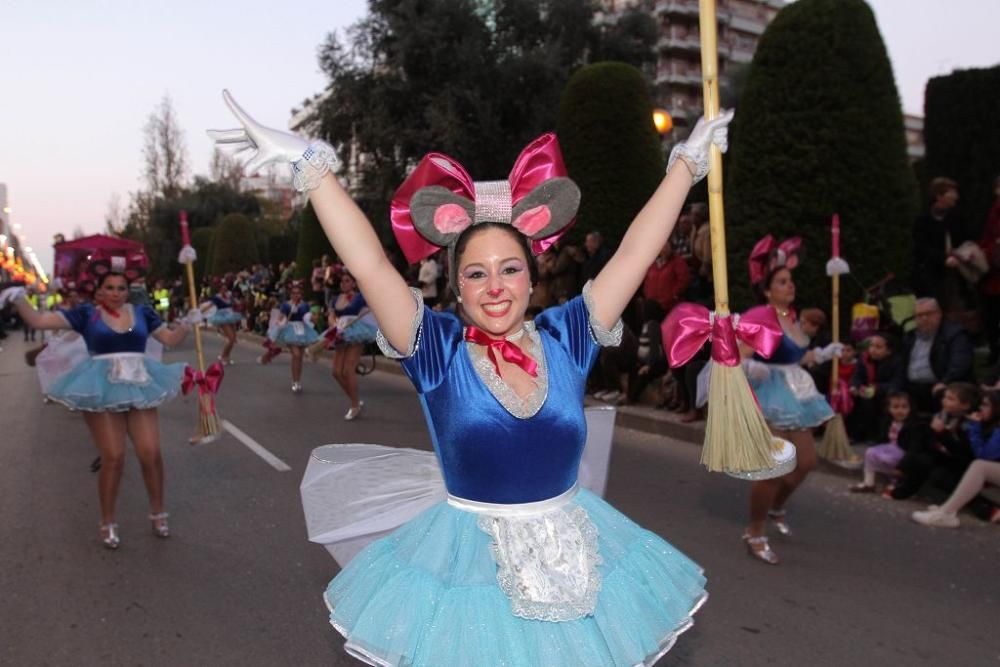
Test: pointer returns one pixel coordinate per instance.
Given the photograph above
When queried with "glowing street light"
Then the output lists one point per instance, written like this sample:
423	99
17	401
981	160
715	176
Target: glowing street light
662	120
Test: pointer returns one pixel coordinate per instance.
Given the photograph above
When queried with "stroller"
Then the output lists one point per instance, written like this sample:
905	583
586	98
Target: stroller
884	309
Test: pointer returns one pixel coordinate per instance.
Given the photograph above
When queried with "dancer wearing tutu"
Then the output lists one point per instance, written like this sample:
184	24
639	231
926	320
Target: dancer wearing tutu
355	328
785	391
518	565
294	329
117	388
225	318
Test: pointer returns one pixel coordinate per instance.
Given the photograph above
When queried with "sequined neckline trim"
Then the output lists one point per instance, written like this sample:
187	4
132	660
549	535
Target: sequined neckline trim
127	308
507	397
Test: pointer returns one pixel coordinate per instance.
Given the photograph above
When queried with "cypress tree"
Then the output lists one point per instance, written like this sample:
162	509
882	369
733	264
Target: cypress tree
962	136
609	143
234	247
201	241
313	243
820	131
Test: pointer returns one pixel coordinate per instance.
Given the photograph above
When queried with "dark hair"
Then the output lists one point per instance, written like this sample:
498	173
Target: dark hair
965	392
104	276
897	395
940	185
522	240
652	310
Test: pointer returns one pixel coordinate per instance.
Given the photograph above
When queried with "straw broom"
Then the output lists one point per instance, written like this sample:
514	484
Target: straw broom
835	446
737	439
209	427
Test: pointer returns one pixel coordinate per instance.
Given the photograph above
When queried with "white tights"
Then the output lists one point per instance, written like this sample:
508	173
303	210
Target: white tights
973	481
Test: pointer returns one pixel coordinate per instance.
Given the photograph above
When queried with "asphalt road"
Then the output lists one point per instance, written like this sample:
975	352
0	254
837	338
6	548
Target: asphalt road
239	584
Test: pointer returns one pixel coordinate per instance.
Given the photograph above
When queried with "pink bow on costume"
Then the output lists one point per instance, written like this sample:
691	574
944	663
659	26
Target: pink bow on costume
207	382
540	161
769	255
689	326
508	350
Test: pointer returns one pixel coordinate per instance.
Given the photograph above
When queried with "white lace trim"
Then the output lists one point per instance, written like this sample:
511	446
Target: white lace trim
507	397
604	337
415	330
547	563
316	161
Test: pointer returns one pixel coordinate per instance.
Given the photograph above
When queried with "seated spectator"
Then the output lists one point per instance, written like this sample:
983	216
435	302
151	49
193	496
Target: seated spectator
934	355
652	362
898	432
947	450
871	383
979	474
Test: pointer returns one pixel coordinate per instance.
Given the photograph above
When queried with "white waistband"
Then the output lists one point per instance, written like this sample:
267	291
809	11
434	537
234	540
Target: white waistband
516	509
119	355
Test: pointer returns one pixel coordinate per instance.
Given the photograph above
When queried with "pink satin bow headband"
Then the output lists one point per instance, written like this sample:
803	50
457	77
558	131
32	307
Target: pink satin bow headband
439	200
769	255
689	326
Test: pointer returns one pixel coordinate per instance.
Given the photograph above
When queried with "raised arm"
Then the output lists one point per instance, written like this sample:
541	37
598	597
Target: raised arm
621	276
31	317
349	231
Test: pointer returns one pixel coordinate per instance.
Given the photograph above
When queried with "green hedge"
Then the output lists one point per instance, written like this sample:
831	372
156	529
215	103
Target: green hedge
611	148
313	244
820	131
234	247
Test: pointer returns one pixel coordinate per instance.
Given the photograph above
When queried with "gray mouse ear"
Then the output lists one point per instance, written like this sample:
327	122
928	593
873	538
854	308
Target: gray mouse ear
547	209
439	215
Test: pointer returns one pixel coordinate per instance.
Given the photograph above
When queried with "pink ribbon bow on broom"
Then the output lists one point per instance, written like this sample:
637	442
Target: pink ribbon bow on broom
207	382
689	326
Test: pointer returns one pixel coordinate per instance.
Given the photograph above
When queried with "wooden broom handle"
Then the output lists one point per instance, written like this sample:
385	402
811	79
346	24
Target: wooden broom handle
716	216
193	295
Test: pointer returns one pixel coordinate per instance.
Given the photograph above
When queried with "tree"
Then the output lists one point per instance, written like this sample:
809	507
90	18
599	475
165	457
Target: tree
610	145
225	170
202	242
234	247
114	219
313	243
820	131
963	138
474	79
164	154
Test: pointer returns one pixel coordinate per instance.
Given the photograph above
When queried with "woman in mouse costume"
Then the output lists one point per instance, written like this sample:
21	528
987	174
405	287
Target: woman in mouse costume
501	559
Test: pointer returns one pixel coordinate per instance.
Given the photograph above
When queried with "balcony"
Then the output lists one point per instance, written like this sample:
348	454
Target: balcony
690	78
677	7
671	43
743	24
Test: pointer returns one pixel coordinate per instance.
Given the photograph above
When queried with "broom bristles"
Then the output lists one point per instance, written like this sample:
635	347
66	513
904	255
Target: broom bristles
737	439
835	445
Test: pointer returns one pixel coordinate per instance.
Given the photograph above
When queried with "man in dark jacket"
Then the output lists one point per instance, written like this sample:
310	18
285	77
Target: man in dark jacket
936	234
935	354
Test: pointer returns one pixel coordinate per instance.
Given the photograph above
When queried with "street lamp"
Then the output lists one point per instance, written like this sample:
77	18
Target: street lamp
662	120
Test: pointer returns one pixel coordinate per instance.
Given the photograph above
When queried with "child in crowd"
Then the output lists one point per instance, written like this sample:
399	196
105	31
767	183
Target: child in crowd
870	385
948	448
884	459
975	478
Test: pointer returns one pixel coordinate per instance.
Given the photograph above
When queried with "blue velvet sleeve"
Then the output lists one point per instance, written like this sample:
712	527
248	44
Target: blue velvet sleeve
286	309
79	317
985	448
153	321
569	325
437	341
219	302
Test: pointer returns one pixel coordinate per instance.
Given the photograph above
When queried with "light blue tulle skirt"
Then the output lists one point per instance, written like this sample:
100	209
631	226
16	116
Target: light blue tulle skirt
302	335
789	400
359	333
427	596
225	316
92	386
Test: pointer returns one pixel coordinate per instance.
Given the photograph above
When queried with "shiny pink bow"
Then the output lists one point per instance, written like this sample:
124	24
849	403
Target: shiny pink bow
508	350
769	255
689	325
540	161
207	382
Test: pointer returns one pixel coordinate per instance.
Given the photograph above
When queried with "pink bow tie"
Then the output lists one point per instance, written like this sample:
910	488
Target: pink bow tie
508	350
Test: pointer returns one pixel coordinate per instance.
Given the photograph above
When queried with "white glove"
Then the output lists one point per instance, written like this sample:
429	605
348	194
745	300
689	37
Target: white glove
755	370
825	354
10	295
256	146
192	318
695	150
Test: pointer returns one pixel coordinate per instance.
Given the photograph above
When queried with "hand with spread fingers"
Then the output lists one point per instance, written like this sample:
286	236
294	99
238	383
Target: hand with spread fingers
256	146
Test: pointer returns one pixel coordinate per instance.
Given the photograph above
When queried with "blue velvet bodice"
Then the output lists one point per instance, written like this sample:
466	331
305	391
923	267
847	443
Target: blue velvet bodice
221	303
486	453
295	314
353	307
788	352
102	339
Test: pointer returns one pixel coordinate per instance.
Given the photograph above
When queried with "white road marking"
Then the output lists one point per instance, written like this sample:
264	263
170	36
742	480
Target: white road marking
256	447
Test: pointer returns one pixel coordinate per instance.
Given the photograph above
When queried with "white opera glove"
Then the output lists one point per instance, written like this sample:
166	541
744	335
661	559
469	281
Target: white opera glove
10	295
192	318
756	371
256	146
825	354
695	149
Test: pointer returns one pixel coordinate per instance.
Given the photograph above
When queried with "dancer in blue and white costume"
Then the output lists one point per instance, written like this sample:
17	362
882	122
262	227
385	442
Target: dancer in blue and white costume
355	327
518	566
294	330
118	387
225	318
785	391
